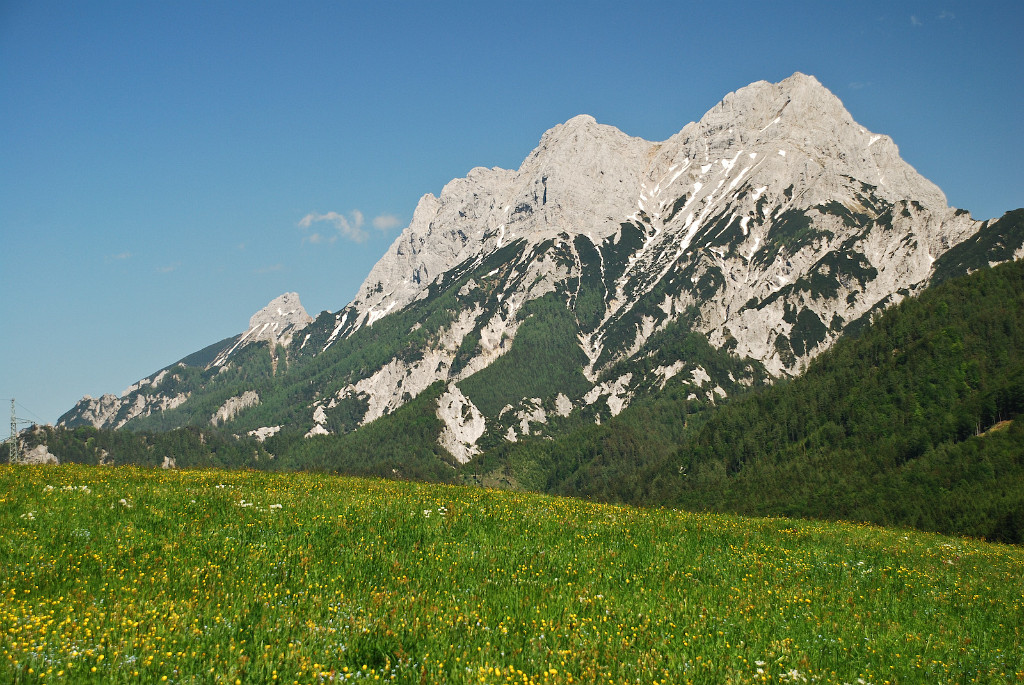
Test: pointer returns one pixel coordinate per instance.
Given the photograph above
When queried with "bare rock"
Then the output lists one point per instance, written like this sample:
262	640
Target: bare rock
231	408
39	456
463	424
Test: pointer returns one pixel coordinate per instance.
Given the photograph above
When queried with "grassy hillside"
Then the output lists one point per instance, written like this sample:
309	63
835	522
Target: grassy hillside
126	575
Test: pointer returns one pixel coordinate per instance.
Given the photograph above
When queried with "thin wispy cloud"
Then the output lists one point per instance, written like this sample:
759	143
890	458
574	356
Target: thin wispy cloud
349	227
945	16
319	239
117	257
270	269
859	85
386	222
169	268
914	21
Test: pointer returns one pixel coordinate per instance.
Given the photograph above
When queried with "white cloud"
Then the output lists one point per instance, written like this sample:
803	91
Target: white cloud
386	222
319	238
350	227
270	269
117	257
947	15
914	21
859	85
169	268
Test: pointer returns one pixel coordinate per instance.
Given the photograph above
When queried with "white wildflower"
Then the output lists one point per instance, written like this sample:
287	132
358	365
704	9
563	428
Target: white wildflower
29	516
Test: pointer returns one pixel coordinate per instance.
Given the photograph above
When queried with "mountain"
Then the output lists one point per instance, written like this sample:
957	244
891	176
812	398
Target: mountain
914	422
603	270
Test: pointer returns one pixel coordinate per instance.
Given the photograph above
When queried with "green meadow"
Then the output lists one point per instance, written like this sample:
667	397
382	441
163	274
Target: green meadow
125	575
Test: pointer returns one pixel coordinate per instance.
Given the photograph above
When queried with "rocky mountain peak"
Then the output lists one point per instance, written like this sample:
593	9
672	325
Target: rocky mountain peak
757	235
283	312
587	178
277	323
803	119
581	127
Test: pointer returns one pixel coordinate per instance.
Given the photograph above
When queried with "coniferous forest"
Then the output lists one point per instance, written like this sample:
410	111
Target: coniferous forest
914	423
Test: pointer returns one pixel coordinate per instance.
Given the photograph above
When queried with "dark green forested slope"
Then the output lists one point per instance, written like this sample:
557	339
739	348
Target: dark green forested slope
403	444
914	423
189	447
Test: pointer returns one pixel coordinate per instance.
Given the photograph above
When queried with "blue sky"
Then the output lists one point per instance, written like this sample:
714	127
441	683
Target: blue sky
157	159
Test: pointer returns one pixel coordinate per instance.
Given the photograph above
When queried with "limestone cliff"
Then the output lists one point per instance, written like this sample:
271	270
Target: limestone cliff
763	232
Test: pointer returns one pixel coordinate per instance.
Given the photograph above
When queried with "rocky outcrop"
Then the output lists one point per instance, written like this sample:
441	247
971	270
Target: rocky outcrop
110	411
319	423
277	323
99	412
265	432
581	177
39	456
233	406
462	424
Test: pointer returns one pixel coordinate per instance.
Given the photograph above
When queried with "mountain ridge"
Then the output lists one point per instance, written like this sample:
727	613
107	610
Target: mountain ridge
767	228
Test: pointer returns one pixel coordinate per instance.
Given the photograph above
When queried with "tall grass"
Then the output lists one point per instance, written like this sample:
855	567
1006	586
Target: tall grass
126	575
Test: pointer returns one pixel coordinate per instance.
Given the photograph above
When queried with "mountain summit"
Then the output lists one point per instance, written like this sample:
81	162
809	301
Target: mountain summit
603	269
587	178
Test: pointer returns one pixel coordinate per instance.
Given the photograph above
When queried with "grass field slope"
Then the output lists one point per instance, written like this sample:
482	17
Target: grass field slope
119	575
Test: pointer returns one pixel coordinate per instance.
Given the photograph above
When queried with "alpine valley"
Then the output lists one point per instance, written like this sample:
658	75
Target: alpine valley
527	319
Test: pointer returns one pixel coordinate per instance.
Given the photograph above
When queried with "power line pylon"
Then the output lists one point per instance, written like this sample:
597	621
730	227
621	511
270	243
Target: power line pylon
14	435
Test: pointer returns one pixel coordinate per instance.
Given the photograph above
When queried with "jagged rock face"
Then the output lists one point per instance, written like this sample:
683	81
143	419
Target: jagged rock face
771	224
463	424
579	179
39	456
587	178
264	432
110	411
231	408
765	230
277	323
